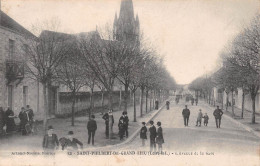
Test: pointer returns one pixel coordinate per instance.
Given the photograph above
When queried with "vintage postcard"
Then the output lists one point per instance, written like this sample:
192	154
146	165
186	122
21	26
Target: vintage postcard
129	82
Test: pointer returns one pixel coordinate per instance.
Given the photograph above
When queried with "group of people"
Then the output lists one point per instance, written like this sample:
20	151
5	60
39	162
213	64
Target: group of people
217	114
156	136
7	121
122	124
51	141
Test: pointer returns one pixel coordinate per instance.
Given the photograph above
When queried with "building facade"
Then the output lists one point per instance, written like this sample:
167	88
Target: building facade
16	89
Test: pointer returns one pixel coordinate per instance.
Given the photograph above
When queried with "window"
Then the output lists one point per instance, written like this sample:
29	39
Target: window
26	50
11	48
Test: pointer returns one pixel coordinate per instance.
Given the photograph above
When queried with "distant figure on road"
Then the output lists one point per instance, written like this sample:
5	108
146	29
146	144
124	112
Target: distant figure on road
192	101
168	105
196	101
143	132
177	100
125	119
199	118
152	131
159	138
218	114
186	115
156	104
50	140
92	127
206	119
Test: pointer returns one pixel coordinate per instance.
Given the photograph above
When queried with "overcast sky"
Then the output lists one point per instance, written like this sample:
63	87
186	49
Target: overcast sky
189	33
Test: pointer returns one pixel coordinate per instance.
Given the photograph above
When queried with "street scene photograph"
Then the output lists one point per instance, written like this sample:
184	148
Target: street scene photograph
129	82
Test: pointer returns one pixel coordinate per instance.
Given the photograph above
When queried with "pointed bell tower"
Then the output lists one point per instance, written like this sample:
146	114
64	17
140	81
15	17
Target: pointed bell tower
126	26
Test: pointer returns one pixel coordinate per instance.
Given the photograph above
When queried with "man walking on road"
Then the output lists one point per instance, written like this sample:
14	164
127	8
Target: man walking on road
186	115
218	114
92	127
152	131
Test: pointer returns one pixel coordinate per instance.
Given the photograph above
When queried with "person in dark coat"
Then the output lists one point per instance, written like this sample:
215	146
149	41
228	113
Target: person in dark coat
159	138
196	101
192	101
152	131
10	124
143	132
50	140
121	129
106	118
206	119
24	119
125	119
72	143
156	104
2	120
218	114
186	115
92	127
168	105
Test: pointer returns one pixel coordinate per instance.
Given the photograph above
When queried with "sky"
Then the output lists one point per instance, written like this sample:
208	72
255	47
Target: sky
189	34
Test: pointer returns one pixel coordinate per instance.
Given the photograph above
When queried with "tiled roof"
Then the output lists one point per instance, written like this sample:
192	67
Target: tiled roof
9	23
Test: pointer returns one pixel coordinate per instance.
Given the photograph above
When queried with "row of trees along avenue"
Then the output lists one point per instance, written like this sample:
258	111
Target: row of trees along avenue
240	68
95	59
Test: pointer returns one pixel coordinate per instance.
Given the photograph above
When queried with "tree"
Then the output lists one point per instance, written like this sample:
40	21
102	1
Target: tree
43	58
70	73
247	56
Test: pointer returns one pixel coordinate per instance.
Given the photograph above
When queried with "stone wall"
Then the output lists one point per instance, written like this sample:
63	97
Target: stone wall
83	101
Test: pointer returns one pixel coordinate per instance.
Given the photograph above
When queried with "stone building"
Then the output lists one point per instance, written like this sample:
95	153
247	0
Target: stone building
16	89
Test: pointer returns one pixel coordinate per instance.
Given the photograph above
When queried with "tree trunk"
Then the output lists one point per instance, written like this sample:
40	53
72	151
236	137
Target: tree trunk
130	97
232	103
134	106
222	101
243	104
73	107
102	99
120	99
110	100
91	102
46	108
146	101
253	109
150	101
141	104
126	97
226	101
153	98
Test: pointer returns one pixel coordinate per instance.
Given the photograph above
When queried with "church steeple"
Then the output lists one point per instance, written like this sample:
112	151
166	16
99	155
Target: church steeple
126	27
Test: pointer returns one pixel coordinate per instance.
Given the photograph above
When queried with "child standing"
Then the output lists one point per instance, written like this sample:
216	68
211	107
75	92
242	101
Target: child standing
143	135
206	119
